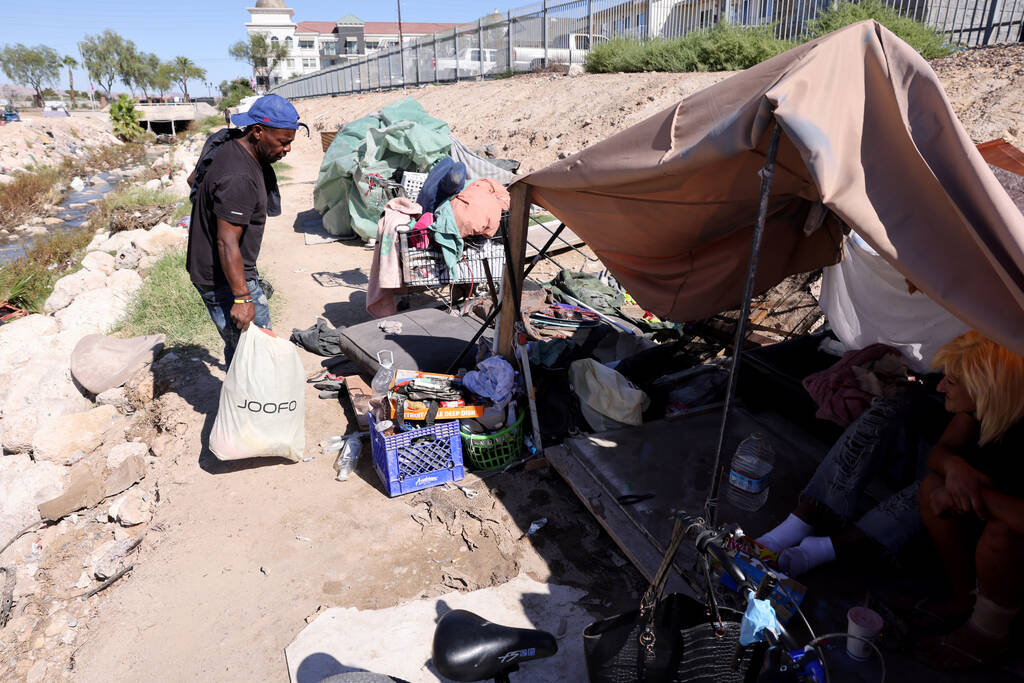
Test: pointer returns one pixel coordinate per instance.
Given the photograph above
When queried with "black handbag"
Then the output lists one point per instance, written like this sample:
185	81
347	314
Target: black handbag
671	639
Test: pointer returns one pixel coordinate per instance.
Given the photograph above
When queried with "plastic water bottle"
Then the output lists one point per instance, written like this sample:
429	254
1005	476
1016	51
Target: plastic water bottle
385	375
750	473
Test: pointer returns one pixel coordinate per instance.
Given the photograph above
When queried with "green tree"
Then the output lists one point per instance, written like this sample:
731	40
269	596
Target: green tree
163	78
262	54
232	92
129	65
70	62
100	56
184	71
146	74
33	67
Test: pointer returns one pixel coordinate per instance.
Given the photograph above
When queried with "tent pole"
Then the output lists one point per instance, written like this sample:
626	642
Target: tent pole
515	245
767	173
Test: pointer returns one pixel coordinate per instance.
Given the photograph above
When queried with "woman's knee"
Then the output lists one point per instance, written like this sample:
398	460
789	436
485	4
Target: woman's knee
999	542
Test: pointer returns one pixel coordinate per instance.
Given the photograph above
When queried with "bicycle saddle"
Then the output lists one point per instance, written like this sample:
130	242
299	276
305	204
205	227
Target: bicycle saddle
470	648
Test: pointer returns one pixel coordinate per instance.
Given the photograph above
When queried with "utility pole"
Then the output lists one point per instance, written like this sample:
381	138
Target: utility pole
401	42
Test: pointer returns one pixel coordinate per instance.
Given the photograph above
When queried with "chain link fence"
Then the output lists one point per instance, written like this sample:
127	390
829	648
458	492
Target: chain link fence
549	33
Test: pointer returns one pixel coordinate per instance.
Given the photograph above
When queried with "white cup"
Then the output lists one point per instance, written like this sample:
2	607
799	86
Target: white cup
865	623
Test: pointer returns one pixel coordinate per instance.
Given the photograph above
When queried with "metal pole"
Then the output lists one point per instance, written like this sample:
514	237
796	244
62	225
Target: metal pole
455	42
711	503
508	33
544	32
590	22
480	46
647	22
401	42
435	58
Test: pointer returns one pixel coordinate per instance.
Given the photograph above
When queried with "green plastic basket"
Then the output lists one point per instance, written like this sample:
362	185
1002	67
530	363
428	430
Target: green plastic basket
497	449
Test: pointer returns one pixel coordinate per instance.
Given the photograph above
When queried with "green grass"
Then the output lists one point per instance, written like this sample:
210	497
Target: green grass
281	170
168	304
210	124
28	281
136	195
733	48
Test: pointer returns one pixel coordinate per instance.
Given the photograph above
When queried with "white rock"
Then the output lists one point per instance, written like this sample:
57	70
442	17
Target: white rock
57	439
97	241
99	261
68	638
77	184
147	262
160	239
68	287
122	452
132	508
25	484
125	280
16	334
96	311
119	240
576	70
114	397
127	258
153	184
84	581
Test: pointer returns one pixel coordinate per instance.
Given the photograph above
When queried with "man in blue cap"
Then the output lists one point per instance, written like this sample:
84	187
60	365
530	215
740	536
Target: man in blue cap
232	184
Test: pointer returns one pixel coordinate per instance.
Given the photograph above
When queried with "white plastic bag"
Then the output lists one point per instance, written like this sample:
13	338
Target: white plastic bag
262	407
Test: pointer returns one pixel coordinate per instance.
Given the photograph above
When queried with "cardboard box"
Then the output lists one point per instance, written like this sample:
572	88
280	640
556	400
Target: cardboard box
417	410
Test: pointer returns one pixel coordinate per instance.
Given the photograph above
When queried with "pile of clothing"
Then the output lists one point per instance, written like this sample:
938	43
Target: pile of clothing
446	210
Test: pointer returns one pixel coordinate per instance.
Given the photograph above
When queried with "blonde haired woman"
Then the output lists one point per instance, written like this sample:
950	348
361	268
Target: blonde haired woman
972	502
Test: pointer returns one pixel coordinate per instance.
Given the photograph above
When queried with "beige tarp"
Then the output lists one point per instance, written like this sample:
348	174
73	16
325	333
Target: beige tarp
669	204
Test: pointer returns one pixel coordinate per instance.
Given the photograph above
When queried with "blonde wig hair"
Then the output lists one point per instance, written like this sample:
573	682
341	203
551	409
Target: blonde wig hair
992	375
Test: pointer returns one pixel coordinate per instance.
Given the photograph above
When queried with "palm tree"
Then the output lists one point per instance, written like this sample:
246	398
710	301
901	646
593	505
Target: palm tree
70	62
184	70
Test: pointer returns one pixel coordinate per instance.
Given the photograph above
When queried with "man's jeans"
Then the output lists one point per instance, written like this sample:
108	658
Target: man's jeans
219	301
891	439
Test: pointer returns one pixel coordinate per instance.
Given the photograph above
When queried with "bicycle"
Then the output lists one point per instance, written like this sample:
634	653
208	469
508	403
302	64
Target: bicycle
469	649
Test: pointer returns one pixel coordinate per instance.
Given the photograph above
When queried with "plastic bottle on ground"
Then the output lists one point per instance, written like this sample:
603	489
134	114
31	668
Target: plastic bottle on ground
385	374
750	473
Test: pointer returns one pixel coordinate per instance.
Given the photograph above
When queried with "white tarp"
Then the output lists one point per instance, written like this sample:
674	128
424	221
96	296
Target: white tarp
867	301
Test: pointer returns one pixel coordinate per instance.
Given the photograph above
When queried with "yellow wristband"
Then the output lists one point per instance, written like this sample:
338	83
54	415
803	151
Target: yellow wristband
243	301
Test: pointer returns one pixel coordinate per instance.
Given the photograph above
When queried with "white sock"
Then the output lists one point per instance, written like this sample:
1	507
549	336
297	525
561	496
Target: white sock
786	535
812	552
992	619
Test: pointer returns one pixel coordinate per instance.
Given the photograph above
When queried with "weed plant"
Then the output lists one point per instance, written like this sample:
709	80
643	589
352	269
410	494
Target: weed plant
210	124
926	40
28	281
168	304
134	196
733	48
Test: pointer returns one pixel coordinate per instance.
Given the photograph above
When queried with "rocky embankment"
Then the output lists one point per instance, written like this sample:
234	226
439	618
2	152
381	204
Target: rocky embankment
76	468
38	141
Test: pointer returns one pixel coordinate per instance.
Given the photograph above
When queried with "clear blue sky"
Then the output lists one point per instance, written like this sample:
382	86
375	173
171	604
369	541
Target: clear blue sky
199	29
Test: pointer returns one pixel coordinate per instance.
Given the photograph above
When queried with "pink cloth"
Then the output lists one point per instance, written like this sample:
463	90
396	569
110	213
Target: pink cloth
845	390
478	208
385	272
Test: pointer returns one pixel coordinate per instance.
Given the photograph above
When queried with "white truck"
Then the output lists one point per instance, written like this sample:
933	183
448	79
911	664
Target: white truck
571	48
468	63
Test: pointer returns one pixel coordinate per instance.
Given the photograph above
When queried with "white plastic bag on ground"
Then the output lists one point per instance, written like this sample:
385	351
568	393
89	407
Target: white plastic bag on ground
262	407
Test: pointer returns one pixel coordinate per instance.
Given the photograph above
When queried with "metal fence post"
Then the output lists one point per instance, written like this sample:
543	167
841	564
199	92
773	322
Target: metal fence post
480	46
647	21
416	56
590	22
544	32
455	42
508	33
391	79
435	58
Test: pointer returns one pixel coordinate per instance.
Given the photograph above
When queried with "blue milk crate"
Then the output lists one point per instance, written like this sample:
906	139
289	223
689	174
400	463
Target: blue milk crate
417	459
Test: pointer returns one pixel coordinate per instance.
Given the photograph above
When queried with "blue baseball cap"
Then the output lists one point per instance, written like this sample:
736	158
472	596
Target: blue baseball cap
272	111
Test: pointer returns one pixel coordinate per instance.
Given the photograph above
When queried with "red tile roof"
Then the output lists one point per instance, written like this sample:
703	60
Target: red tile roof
316	27
391	27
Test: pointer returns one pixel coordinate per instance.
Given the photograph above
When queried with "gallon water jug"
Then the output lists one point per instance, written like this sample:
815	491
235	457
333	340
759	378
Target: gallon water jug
750	473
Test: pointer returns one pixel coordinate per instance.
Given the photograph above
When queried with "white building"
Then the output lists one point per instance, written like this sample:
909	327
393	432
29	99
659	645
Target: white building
314	45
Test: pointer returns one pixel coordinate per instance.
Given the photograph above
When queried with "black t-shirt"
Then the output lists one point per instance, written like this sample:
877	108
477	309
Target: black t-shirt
1003	461
233	189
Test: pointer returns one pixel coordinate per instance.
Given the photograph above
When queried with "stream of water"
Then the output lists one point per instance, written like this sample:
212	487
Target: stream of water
16	244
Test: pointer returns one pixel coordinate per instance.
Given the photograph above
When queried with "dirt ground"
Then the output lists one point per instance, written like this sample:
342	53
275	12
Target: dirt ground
239	556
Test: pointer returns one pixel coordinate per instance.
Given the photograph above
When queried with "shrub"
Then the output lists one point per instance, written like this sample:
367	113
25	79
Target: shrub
136	197
28	281
125	118
926	40
722	48
168	304
233	92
